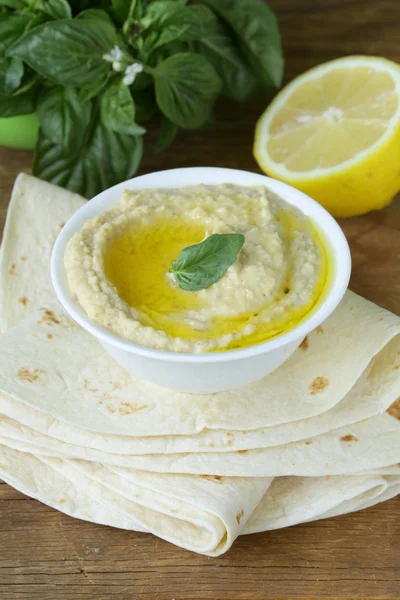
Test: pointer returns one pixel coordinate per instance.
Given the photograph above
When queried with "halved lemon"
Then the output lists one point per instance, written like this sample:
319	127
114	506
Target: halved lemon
334	133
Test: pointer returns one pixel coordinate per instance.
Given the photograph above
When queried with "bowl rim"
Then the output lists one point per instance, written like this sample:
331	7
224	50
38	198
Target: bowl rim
169	178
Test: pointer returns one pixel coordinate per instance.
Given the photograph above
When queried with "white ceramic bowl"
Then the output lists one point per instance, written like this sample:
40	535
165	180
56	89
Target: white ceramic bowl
212	372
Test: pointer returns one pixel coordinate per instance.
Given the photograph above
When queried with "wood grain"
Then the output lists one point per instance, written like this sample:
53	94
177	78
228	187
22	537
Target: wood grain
45	555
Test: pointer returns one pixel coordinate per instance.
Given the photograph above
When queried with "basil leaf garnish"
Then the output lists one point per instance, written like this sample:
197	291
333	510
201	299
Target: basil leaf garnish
201	265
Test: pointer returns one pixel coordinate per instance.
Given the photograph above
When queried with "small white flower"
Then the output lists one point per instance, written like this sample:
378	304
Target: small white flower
117	66
128	79
131	72
115	55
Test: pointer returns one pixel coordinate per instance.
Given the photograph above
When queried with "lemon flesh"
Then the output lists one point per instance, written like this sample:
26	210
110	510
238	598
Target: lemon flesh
334	133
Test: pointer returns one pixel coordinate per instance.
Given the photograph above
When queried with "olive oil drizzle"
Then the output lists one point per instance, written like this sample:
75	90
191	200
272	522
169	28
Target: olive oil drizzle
137	260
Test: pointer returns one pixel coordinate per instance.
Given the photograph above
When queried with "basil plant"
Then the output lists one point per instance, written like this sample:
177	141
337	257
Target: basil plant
96	72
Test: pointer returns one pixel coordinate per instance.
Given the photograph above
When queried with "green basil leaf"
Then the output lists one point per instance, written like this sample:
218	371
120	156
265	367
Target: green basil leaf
69	52
104	159
36	20
96	13
118	110
11	72
23	104
160	11
176	32
56	9
78	6
201	265
186	85
142	81
187	24
120	9
159	54
145	104
220	49
257	31
204	14
89	91
12	3
168	22
12	26
129	12
63	117
167	135
143	45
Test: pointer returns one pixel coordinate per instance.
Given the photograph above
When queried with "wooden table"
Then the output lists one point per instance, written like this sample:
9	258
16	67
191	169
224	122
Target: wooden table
46	555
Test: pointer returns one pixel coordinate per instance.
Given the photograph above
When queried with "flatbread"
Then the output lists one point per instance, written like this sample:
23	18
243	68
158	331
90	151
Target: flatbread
84	436
80	385
28	239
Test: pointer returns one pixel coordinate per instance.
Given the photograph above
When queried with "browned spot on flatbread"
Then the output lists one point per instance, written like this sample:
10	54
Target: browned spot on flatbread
49	318
123	408
349	438
116	385
130	407
242	451
211	445
318	385
11	270
23	257
214	478
229	442
304	344
61	501
394	409
29	374
23	300
229	433
319	329
308	442
61	225
239	516
49	336
86	384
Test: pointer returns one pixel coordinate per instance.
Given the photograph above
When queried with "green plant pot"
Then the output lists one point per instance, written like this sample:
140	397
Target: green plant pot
19	132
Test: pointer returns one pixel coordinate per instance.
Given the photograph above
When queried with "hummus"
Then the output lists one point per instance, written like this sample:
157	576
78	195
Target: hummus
118	268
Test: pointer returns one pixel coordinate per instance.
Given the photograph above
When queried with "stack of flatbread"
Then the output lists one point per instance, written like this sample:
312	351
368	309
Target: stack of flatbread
318	437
